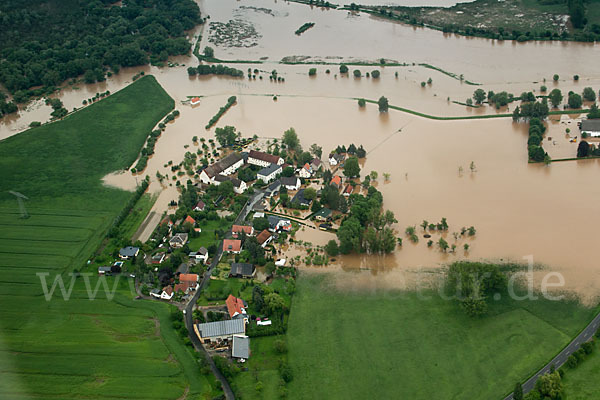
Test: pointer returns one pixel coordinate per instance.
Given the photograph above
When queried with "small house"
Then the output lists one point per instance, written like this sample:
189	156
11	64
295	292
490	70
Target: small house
190	280
189	220
591	127
273	189
232	246
315	164
182	269
167	293
200	255
242	270
236	307
104	270
277	224
200	206
158	258
336	181
195	101
155	293
336	159
348	190
305	171
178	240
300	199
323	214
238	229
127	253
264	238
290	182
263	159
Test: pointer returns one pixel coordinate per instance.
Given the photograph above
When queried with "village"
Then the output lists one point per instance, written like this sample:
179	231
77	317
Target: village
223	247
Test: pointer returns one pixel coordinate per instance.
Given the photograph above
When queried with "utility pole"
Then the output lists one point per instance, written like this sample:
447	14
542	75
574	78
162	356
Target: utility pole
20	199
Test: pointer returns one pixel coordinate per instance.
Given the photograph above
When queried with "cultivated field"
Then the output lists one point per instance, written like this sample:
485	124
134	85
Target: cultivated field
387	344
79	348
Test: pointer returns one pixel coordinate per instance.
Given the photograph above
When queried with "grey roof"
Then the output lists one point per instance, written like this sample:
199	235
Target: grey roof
156	291
241	347
223	164
221	328
202	251
590	125
299	197
289	180
273	187
104	269
266	171
129	251
243	269
222	178
183	268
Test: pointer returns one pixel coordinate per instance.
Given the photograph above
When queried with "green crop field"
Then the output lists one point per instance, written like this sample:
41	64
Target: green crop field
81	348
392	344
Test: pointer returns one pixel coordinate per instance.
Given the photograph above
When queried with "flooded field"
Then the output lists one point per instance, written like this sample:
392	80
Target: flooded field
518	209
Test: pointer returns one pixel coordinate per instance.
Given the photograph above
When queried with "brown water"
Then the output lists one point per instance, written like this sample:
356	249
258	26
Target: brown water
518	209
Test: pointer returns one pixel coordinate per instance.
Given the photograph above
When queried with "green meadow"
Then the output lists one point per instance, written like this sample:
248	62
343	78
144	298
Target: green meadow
81	348
393	344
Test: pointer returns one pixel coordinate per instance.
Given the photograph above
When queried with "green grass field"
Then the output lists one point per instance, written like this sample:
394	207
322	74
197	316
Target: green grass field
582	382
79	348
388	344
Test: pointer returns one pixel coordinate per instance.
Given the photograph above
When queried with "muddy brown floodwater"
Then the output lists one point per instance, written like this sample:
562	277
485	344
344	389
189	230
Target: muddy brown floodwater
518	209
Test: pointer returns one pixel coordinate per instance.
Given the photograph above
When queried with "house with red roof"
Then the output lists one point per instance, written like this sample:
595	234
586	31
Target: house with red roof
336	181
232	246
199	206
189	220
347	190
264	238
189	280
305	171
195	100
262	159
236	307
238	229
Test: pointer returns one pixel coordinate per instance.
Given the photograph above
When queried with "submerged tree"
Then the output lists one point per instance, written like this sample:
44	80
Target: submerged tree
383	104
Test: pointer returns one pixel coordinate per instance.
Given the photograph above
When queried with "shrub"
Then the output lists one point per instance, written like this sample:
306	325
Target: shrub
343	69
375	74
312	72
362	102
357	73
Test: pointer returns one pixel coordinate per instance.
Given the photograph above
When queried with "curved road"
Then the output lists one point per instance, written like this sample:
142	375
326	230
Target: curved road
562	357
189	323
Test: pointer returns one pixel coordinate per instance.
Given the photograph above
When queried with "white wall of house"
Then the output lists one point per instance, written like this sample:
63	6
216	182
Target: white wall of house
241	189
204	178
304	173
269	177
233	168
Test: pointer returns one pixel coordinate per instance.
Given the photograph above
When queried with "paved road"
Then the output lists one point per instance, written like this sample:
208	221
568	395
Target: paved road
562	357
189	323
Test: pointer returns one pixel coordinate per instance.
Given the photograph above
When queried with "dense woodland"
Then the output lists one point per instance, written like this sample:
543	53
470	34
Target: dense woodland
45	42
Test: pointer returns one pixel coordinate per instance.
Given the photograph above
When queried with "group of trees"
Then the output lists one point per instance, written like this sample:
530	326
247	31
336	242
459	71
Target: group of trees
6	107
473	282
352	150
367	228
205	69
528	109
227	136
534	143
43	46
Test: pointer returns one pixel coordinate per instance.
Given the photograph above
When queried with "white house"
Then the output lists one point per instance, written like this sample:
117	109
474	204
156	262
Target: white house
305	171
178	240
200	255
225	166
263	159
335	159
291	182
269	173
167	293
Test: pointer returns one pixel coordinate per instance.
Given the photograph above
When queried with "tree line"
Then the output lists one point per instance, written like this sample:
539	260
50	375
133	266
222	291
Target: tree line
44	46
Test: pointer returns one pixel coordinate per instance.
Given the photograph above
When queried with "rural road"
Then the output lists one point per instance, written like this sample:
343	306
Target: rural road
147	227
189	322
562	357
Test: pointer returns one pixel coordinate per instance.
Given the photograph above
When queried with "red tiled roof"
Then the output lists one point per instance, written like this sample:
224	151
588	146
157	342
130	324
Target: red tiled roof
259	155
348	189
188	278
232	245
306	167
242	228
190	220
181	287
336	180
234	305
168	289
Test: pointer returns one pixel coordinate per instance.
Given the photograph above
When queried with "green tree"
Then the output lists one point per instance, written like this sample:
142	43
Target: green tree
362	102
583	150
226	136
274	304
550	385
357	73
594	112
351	167
312	72
310	194
375	74
555	78
443	244
331	248
575	100
373	175
290	139
343	69
383	104
555	97
270	268
589	94
209	52
479	96
316	150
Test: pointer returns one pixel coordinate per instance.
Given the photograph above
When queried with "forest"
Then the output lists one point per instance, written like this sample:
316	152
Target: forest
45	42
